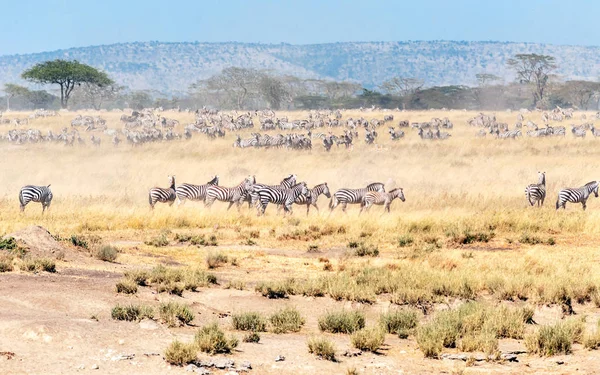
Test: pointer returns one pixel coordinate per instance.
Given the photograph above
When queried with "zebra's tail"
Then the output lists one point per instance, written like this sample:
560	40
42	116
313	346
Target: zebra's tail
528	195
557	204
333	202
150	199
21	199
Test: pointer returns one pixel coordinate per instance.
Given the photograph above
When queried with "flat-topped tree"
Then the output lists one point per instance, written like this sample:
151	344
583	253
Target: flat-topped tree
66	74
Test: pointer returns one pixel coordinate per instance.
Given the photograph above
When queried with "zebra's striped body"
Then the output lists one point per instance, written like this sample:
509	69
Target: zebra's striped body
381	199
194	192
577	195
163	195
229	194
279	195
346	196
537	192
40	194
252	196
313	196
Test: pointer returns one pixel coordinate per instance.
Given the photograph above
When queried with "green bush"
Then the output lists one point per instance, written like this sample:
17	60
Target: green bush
366	250
132	312
286	320
400	322
126	286
368	339
216	259
107	253
38	265
140	277
180	354
161	240
211	339
276	289
253	337
79	241
249	321
405	240
550	340
6	263
322	347
175	314
342	321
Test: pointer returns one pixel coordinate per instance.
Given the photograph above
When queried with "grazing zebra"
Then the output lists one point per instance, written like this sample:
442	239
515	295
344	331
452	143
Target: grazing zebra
194	192
243	143
578	131
313	196
252	196
381	198
512	134
232	195
576	195
537	192
162	195
279	195
31	193
346	196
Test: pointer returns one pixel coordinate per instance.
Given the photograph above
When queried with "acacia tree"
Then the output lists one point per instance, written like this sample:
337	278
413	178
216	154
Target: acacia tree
533	69
95	95
580	93
404	87
66	74
11	90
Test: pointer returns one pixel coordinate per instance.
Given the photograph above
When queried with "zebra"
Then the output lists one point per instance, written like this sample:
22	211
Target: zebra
381	198
537	192
346	196
252	196
313	196
232	195
31	193
578	131
577	195
243	143
163	195
194	192
512	134
279	195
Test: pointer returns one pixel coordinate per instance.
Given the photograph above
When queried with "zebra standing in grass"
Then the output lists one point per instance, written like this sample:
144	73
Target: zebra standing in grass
252	196
194	192
537	192
232	195
346	196
279	195
163	195
381	199
577	195
31	193
313	196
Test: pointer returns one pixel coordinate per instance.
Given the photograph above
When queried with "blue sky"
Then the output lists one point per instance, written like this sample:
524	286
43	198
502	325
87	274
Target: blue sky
45	25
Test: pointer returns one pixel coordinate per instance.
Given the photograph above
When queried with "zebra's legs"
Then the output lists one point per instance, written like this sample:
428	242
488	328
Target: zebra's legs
344	205
22	208
583	204
208	202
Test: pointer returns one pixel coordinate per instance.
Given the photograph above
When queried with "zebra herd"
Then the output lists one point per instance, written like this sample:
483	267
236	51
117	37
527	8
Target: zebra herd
536	193
287	193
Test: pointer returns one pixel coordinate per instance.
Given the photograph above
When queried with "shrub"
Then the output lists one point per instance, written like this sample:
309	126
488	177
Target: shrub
249	321
180	354
38	265
140	277
592	340
322	347
79	241
468	237
400	322
211	339
171	288
405	240
430	341
215	260
252	337
107	253
313	248
6	263
175	314
342	321
126	286
161	240
236	284
550	340
203	241
368	339
286	320
132	312
277	289
530	239
366	250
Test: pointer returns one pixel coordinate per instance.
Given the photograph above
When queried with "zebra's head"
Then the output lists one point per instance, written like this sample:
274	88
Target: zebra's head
398	193
290	180
593	186
214	181
542	178
304	190
172	181
326	190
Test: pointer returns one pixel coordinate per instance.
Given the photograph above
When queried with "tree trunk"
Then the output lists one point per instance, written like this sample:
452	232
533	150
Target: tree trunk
63	104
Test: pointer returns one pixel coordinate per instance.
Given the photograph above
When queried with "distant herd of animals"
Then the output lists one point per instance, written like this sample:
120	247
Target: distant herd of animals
151	125
289	192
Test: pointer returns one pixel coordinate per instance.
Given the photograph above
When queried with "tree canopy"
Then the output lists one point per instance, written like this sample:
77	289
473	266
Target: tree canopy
66	74
533	69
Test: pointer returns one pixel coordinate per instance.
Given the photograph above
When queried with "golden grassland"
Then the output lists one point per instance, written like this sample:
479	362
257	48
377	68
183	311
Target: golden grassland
455	188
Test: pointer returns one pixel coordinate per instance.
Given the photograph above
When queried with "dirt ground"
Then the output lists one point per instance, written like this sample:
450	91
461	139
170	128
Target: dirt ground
60	324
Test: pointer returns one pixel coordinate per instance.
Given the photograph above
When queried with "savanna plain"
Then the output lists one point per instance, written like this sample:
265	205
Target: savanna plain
463	277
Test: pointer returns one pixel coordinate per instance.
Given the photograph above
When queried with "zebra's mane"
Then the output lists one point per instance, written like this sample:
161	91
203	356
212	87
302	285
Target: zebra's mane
374	184
393	190
214	181
591	183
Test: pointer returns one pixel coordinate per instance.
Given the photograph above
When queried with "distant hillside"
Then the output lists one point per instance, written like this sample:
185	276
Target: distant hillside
172	67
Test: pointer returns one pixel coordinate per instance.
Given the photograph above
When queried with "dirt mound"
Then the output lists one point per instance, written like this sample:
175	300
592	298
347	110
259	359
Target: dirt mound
39	242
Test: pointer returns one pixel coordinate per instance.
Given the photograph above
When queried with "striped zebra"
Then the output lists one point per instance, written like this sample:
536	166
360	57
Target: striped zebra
577	195
194	192
279	195
381	199
537	192
40	194
509	134
311	199
232	195
163	195
346	196
578	131
252	196
244	143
